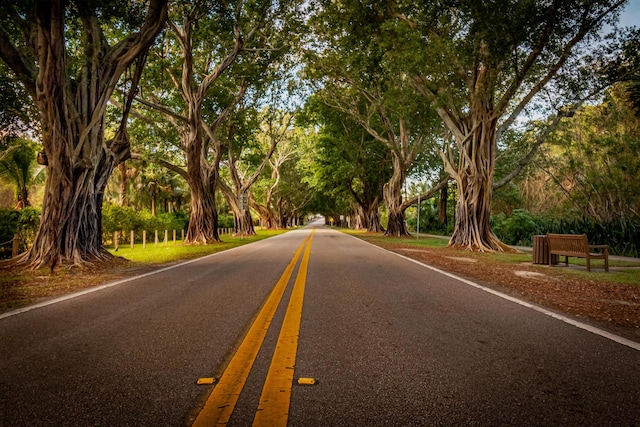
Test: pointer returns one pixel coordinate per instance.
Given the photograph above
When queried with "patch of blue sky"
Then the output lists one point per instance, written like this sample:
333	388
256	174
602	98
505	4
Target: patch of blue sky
630	16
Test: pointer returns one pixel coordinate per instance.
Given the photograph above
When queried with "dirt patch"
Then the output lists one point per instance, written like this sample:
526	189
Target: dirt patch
20	288
462	258
530	275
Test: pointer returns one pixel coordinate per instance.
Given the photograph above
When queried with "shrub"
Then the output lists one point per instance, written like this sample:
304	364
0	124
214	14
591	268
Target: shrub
28	224
622	236
429	220
225	221
124	219
517	229
25	222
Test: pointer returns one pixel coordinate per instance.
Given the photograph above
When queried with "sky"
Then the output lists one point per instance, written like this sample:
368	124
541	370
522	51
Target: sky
631	14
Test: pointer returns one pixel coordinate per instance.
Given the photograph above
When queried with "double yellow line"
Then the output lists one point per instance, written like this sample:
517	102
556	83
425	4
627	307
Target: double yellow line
273	408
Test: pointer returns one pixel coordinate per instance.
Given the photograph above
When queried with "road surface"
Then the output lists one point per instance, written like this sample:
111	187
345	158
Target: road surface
384	341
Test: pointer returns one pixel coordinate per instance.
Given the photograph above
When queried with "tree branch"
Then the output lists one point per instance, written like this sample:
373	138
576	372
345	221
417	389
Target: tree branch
585	27
427	194
164	110
174	168
24	69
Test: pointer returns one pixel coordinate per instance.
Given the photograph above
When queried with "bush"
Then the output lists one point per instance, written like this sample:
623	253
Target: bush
517	229
622	236
25	222
28	225
429	220
124	219
225	221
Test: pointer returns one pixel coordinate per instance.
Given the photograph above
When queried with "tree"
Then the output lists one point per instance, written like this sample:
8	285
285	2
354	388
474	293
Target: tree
251	139
285	152
591	165
17	112
633	92
349	61
67	62
348	163
481	64
212	56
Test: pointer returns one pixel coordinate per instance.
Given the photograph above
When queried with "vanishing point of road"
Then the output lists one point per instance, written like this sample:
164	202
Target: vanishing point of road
309	328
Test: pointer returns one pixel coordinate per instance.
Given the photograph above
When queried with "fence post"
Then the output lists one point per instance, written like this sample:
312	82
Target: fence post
144	239
132	237
166	238
174	237
182	234
16	245
155	240
115	240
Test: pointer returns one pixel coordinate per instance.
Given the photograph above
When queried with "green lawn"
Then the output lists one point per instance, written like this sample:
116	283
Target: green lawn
162	253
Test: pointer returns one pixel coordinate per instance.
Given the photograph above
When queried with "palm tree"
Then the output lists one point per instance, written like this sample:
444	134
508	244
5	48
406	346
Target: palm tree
18	167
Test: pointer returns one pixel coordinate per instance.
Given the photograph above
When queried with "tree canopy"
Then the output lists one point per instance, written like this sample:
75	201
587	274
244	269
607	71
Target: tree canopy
469	92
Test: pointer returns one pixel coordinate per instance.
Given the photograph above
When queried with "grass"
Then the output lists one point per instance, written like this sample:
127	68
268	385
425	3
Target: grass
426	241
161	253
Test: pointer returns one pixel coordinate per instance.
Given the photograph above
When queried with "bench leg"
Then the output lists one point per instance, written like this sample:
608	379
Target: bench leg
588	264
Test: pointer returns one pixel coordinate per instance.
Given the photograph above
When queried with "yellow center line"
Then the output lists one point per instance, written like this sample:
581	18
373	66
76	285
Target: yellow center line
273	409
219	406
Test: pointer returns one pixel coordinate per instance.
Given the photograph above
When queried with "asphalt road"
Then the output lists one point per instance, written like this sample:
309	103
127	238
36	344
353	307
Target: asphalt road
390	342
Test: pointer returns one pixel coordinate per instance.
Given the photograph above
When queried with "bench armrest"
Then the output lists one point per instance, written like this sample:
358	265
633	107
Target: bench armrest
599	246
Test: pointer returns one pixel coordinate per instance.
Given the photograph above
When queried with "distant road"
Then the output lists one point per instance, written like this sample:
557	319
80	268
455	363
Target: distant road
389	342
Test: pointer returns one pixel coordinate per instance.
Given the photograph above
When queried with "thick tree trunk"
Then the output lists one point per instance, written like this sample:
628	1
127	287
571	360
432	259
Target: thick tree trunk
243	223
374	225
474	179
72	112
392	192
71	222
281	216
360	219
368	218
203	221
367	215
266	216
239	203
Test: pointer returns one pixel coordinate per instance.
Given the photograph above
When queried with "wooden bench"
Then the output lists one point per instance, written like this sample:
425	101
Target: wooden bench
576	245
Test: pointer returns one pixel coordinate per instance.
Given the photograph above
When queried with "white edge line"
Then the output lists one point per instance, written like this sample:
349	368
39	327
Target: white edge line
608	335
111	284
